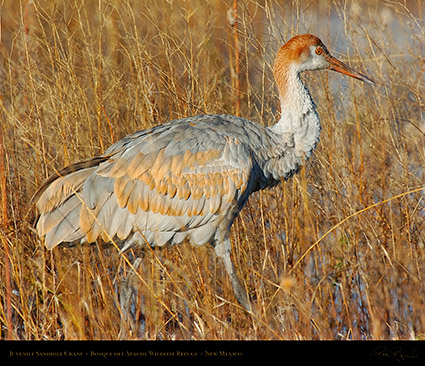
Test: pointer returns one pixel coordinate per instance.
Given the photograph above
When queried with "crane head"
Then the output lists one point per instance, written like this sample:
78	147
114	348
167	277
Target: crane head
307	52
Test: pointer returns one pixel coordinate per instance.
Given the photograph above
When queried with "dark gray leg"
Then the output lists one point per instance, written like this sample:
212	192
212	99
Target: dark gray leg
223	251
128	294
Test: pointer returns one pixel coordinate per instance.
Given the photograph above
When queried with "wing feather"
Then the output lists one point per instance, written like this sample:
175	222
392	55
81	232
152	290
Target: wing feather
170	182
65	230
47	222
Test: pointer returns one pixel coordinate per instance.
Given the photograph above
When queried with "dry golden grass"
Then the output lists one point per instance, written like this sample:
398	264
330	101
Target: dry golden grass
75	76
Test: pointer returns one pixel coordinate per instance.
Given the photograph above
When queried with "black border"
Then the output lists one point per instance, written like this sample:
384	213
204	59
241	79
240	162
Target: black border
334	352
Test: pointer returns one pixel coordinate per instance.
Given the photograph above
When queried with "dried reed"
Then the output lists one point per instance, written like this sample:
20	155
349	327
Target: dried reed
335	253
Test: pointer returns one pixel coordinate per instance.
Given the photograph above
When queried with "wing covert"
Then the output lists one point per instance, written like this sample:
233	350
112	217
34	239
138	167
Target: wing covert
177	180
164	187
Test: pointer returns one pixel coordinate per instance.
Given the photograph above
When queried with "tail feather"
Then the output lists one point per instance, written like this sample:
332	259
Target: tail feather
66	231
60	185
48	220
59	202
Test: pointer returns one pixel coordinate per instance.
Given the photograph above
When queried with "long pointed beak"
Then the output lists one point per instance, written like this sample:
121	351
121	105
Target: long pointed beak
339	66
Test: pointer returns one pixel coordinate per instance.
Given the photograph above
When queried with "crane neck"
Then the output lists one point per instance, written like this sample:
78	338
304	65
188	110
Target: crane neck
299	119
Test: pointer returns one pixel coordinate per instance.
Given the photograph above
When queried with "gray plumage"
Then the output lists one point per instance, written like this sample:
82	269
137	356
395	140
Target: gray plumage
168	193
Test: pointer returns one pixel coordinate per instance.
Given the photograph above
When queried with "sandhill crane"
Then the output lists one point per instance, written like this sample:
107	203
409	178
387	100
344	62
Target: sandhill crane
187	179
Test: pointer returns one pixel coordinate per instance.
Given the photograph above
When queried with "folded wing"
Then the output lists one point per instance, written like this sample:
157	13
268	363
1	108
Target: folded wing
158	186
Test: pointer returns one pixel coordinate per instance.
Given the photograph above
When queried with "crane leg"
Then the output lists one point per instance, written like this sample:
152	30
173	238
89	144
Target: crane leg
222	250
128	293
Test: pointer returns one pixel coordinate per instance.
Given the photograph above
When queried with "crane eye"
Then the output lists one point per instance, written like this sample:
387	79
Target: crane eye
319	50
